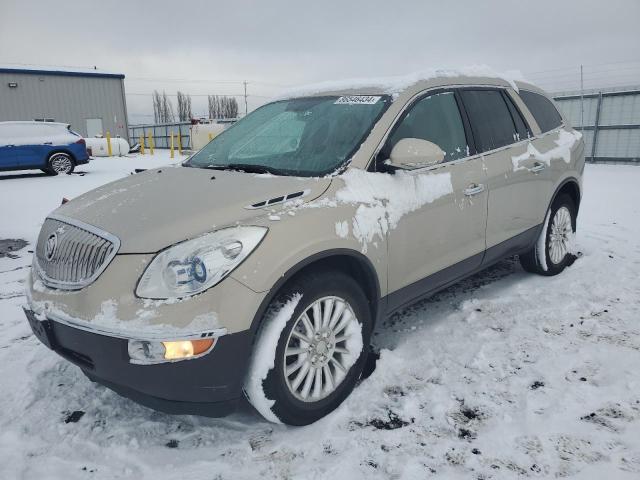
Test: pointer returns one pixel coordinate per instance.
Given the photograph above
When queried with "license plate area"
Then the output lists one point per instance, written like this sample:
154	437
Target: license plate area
42	329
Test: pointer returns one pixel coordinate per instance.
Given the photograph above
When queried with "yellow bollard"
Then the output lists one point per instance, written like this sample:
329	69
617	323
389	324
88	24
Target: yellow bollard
142	144
109	143
171	155
150	142
179	142
210	136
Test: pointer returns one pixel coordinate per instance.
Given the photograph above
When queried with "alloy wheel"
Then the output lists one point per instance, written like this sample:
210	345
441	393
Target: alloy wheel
61	163
324	343
560	235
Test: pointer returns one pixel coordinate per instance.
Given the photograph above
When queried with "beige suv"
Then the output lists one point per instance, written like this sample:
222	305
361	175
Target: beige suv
261	265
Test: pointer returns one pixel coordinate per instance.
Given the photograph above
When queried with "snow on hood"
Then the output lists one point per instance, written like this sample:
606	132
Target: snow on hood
565	142
157	208
384	199
396	84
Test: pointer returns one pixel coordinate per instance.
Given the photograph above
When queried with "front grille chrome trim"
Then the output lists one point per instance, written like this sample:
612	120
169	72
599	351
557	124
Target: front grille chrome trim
82	257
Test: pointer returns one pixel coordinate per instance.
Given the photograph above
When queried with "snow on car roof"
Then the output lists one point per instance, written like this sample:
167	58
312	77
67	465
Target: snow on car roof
396	84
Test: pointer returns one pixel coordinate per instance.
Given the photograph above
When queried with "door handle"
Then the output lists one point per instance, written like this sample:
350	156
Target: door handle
48	143
537	167
474	189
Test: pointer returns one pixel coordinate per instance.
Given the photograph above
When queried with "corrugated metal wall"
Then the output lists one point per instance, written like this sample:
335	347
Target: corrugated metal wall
65	98
611	120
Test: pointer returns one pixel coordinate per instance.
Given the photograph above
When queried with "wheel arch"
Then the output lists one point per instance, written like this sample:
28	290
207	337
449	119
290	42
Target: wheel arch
571	187
55	150
349	261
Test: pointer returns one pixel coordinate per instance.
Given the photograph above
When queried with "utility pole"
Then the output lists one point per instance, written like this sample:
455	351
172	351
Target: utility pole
246	109
581	99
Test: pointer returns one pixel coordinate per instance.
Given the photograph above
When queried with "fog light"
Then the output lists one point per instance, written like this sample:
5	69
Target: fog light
149	352
186	348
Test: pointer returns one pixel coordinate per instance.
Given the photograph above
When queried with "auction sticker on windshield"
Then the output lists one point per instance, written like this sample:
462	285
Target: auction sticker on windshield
357	100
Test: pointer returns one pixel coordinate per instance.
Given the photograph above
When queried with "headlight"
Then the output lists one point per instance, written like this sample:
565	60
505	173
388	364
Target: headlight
195	265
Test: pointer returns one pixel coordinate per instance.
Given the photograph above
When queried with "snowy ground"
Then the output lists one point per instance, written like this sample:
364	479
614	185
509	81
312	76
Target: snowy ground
506	375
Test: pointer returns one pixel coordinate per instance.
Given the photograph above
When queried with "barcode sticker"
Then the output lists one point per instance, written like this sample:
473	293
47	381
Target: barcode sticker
357	100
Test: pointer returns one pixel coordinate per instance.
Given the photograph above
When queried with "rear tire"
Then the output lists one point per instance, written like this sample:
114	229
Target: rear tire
553	251
59	163
332	313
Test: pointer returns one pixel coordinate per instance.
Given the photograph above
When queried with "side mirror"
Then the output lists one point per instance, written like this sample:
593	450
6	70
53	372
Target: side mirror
412	153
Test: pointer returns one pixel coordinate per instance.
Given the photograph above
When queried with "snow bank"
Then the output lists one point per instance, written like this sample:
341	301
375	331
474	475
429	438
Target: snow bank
394	85
264	355
565	142
384	199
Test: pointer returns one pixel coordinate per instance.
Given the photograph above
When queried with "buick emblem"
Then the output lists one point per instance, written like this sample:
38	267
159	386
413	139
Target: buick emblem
50	246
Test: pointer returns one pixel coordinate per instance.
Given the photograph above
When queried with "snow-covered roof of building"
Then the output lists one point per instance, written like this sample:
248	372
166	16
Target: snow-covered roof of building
58	70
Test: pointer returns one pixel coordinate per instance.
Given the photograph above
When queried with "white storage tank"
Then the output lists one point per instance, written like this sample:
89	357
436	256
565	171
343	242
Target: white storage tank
203	133
98	146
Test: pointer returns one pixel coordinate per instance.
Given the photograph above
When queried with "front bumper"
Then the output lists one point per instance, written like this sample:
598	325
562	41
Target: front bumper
210	385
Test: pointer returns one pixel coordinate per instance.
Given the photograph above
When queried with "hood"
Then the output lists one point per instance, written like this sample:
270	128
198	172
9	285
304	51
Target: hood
157	208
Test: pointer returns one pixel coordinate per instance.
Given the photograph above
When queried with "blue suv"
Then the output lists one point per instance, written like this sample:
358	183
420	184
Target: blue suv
52	147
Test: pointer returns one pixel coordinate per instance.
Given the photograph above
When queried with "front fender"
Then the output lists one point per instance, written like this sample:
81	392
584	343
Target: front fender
308	231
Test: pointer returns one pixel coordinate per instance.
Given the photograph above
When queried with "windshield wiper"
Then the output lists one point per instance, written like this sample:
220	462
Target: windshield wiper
248	168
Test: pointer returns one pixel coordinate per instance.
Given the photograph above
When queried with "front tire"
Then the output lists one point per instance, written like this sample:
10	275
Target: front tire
553	251
316	352
60	163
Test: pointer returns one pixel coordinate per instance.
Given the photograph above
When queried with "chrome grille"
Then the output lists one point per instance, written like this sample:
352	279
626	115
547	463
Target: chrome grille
70	254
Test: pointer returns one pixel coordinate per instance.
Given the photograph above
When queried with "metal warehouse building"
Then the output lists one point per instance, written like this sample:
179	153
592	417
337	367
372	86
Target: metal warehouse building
91	101
611	122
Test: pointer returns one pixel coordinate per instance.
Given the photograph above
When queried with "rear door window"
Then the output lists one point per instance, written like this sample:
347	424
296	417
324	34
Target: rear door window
435	118
542	110
491	122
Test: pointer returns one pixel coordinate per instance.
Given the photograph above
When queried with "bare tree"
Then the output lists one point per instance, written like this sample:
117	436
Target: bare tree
156	106
221	106
162	108
184	107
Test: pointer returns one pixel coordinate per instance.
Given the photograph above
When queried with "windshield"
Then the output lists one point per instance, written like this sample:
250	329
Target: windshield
300	137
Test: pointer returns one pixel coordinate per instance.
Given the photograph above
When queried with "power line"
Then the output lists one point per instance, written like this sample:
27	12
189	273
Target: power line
200	95
205	80
586	65
183	80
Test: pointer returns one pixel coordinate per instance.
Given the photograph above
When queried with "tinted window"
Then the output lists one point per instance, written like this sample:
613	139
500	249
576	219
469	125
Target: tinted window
521	128
542	110
435	118
490	119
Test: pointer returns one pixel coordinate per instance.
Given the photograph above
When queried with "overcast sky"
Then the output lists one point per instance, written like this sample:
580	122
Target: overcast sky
193	45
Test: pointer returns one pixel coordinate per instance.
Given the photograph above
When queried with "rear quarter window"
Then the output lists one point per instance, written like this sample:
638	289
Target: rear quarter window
542	110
